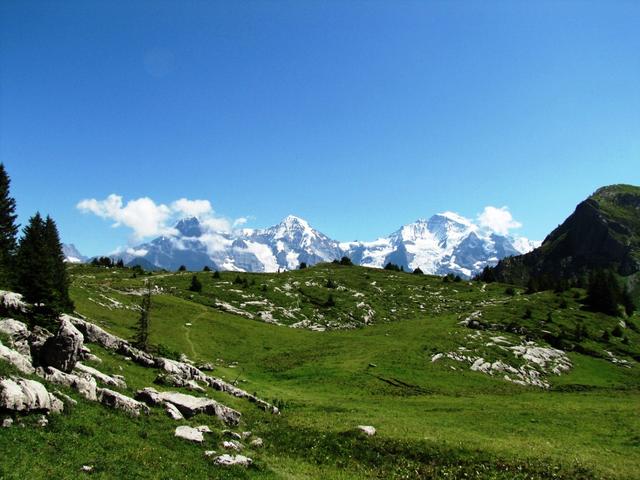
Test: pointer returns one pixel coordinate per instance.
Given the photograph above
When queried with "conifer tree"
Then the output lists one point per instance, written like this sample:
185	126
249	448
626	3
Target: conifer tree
8	229
196	285
59	277
142	327
33	264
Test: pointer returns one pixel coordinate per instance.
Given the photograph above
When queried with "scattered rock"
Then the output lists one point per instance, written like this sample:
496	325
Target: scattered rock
204	429
173	412
18	334
230	434
190	405
15	358
209	453
7	422
43	421
367	429
122	402
23	395
175	380
230	460
87	468
63	350
206	366
257	442
13	301
246	434
66	398
188	433
102	377
84	384
232	445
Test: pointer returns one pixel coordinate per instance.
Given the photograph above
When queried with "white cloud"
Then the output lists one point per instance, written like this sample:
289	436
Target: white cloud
142	215
148	219
192	208
498	220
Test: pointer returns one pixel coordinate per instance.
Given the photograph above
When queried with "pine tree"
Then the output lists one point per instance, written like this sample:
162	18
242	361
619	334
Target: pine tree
604	293
196	285
33	264
142	327
59	277
8	229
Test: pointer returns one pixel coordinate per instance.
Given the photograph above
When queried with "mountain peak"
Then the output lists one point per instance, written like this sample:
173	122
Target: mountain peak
189	227
453	217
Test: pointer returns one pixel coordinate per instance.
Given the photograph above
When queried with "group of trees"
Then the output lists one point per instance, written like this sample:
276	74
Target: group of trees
34	265
107	262
607	295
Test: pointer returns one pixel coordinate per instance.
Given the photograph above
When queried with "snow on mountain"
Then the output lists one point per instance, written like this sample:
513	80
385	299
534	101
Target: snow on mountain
71	254
445	243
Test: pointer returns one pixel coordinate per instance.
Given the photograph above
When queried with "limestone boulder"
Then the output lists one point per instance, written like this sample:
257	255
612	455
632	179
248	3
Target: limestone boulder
63	350
18	334
23	395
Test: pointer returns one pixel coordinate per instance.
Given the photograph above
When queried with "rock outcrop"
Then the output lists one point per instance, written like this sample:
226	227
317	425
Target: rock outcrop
117	400
189	405
23	395
18	334
63	350
15	358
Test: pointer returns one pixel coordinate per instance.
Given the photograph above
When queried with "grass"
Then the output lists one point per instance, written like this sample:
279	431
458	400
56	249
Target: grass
432	421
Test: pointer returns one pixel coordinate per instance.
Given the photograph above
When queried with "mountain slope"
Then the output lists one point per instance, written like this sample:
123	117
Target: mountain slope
602	232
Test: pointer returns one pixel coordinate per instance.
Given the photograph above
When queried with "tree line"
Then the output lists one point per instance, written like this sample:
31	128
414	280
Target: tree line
34	264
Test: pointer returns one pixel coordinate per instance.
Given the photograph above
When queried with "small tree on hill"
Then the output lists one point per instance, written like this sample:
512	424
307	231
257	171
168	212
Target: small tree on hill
331	283
196	285
346	261
302	266
120	263
182	268
142	327
418	271
60	279
206	268
216	274
8	230
330	301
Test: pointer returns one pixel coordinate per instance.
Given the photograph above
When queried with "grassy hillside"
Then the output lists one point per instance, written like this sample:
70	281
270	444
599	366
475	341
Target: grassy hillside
435	419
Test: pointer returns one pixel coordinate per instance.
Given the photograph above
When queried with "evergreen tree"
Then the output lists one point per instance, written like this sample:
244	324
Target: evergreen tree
346	261
120	263
8	229
33	264
216	274
302	266
196	285
182	268
60	278
418	271
331	283
206	268
142	327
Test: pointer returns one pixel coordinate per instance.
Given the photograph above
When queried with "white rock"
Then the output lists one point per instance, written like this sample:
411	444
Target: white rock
87	468
102	377
367	429
117	400
209	453
230	460
232	445
188	433
18	335
204	429
84	385
23	395
13	301
257	442
15	358
7	422
173	412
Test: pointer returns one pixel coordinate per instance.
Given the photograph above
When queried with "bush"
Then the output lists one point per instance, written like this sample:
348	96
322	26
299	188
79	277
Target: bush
330	302
418	271
302	266
510	291
216	274
206	268
182	268
331	284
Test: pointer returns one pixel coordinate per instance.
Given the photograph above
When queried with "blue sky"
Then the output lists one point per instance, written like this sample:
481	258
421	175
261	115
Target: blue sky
358	116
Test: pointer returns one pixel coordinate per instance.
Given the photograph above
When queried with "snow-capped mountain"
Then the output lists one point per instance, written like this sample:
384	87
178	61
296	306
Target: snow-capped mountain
71	254
446	243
